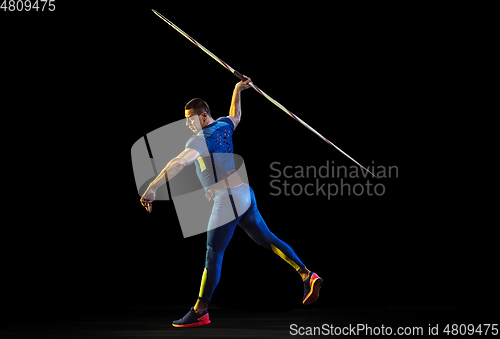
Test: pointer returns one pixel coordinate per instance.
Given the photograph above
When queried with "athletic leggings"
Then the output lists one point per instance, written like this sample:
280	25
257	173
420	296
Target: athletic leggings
251	221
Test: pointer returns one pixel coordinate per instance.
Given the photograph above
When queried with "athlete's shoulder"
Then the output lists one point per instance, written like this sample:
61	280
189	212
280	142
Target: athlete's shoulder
197	136
227	121
197	142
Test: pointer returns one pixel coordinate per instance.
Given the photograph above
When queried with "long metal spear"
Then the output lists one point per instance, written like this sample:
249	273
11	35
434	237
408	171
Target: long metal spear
232	70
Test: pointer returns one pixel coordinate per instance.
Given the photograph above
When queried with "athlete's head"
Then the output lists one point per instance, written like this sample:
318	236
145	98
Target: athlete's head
197	114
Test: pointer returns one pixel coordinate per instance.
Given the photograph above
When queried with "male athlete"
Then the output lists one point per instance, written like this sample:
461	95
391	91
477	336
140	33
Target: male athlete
211	149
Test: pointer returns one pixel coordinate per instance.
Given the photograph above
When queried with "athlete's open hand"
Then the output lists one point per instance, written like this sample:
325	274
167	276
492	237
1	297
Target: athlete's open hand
243	84
147	199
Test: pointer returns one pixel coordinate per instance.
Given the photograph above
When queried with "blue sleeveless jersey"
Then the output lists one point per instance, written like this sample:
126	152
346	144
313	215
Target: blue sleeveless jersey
215	145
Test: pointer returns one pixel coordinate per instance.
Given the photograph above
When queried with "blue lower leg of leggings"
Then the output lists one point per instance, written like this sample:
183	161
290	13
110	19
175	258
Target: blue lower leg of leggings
218	238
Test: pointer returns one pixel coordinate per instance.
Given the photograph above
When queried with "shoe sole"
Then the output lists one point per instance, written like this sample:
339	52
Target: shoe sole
202	321
314	292
199	323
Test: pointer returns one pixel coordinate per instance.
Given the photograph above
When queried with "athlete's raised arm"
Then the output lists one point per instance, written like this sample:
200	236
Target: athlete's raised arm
235	109
174	166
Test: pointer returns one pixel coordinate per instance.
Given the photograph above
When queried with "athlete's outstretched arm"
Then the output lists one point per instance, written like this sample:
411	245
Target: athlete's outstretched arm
235	109
174	166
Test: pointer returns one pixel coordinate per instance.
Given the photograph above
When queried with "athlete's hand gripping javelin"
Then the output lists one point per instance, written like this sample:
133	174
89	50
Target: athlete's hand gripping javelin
244	84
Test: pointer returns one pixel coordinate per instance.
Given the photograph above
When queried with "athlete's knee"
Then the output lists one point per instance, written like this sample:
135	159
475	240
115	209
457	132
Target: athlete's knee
264	240
211	251
213	256
258	240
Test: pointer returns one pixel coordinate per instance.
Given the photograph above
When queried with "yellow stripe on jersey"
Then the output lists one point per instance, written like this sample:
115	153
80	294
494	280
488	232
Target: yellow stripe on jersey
202	164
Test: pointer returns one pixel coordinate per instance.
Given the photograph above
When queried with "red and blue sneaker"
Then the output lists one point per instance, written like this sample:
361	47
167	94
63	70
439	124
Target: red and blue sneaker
312	285
192	319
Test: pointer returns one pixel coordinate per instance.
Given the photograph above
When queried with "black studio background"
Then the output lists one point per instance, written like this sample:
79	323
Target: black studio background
102	76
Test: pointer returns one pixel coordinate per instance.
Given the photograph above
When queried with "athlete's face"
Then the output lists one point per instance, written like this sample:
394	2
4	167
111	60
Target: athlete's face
193	121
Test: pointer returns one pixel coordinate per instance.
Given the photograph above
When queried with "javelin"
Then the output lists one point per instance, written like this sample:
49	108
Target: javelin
232	70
